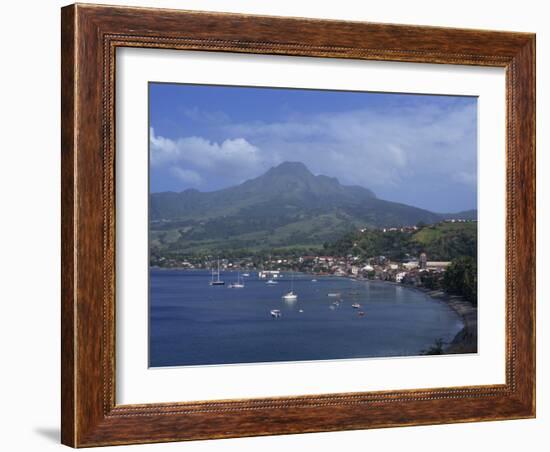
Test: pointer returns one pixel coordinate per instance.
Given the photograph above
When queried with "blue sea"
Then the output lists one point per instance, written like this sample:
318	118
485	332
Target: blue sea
193	323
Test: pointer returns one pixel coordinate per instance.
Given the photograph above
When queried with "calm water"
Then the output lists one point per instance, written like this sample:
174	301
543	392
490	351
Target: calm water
192	323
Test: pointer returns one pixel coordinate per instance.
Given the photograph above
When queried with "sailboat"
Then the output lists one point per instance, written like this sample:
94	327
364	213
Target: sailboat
217	281
290	296
239	284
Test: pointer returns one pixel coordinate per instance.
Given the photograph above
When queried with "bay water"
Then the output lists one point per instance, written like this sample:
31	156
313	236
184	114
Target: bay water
194	323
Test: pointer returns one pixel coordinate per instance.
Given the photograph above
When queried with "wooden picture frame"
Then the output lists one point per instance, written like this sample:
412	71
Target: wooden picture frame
90	36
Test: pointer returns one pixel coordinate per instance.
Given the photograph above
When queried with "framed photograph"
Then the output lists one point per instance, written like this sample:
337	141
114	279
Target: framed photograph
281	225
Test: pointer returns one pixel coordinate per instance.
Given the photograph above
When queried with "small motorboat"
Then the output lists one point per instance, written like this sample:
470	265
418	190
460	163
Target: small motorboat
334	294
270	282
275	313
313	280
356	305
290	296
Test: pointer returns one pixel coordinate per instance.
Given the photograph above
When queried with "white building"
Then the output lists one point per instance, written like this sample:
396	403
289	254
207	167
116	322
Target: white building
269	274
437	265
399	276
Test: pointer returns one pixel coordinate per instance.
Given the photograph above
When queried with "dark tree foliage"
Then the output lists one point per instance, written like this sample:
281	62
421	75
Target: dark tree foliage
431	281
461	278
436	349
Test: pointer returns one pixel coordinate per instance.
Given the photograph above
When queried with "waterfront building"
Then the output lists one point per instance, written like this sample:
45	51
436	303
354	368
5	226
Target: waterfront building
268	274
399	276
437	265
422	261
410	265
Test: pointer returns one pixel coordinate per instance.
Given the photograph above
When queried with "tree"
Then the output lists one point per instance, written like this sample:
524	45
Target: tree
431	281
461	278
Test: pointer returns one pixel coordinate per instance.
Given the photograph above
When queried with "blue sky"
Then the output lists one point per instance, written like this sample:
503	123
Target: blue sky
416	149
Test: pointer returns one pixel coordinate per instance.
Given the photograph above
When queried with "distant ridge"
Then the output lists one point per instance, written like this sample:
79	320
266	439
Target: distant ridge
287	205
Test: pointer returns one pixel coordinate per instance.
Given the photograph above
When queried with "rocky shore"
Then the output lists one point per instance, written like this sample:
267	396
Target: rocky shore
466	339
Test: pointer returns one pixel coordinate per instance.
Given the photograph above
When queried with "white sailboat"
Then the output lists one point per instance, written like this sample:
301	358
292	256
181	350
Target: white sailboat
217	281
239	284
291	296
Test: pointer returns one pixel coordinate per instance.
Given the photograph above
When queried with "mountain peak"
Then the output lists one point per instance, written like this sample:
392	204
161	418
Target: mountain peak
297	168
295	180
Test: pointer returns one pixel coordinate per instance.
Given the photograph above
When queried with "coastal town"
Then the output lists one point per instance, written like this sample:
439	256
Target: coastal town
352	259
452	282
413	270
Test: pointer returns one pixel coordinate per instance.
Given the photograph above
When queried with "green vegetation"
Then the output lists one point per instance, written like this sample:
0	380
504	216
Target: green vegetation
444	241
286	207
441	241
461	278
437	348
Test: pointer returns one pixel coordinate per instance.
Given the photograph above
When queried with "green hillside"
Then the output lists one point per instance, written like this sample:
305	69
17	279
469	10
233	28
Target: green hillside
442	241
287	206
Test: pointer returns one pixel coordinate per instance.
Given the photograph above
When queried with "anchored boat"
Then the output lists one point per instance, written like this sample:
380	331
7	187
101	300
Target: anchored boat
237	285
275	313
217	281
290	296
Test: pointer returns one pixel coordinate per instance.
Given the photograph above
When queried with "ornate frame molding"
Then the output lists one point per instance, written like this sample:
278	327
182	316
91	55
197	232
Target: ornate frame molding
90	36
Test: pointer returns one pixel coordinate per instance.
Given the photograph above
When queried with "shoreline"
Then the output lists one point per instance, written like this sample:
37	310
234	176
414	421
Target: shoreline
465	341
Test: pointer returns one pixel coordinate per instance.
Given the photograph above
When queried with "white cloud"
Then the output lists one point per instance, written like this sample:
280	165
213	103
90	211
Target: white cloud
465	178
235	154
188	176
397	154
372	148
